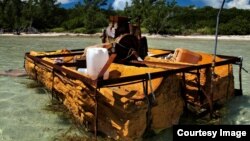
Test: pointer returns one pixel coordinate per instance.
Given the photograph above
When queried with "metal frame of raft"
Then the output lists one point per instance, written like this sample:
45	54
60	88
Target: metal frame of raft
94	85
101	83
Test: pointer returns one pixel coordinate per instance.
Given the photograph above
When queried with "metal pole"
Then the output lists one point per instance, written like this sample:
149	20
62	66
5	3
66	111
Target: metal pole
216	32
214	56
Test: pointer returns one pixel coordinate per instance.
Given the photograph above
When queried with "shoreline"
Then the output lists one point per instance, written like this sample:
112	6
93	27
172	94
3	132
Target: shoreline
204	37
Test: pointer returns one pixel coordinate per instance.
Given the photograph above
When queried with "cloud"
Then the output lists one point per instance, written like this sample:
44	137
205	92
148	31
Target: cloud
66	1
213	3
120	4
240	4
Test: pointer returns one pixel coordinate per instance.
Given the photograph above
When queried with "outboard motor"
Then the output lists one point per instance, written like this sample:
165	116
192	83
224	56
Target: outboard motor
126	39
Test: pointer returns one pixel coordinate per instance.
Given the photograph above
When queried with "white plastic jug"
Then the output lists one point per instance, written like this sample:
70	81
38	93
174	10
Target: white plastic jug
96	58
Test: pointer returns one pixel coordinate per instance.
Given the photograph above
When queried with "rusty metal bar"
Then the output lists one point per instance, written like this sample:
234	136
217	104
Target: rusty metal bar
167	65
164	73
240	78
89	82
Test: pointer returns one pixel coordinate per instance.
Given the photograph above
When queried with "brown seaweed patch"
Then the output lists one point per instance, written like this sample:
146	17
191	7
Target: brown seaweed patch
34	84
204	117
39	88
76	137
62	112
73	134
71	138
76	131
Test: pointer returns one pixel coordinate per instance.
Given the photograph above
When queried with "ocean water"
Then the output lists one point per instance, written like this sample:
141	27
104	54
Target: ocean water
24	114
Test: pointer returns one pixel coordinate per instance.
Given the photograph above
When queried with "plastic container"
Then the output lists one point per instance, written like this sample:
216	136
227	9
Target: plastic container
96	59
184	55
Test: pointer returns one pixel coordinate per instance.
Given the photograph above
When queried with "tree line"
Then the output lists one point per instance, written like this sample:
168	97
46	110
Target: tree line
155	17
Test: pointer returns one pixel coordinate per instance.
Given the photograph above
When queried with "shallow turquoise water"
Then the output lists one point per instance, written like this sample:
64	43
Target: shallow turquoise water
22	114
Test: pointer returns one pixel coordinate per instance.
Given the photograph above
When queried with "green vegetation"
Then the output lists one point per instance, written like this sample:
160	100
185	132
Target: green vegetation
155	17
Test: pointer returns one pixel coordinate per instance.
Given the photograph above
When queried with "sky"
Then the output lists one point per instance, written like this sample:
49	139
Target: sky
120	4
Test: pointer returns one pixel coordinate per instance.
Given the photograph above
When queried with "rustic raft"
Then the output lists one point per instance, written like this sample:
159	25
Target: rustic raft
122	111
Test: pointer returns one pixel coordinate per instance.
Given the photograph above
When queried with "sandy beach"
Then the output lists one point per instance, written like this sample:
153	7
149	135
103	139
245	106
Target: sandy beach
52	34
204	37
